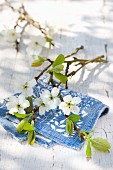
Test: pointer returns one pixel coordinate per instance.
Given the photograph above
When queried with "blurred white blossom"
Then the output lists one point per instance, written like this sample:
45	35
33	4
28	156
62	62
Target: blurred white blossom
50	30
27	88
36	45
17	104
70	105
10	35
32	56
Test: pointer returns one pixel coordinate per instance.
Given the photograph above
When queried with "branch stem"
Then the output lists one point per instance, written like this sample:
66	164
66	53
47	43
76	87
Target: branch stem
97	59
43	71
75	52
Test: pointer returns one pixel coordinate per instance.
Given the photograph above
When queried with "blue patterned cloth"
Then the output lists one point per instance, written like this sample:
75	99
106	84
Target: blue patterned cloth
50	128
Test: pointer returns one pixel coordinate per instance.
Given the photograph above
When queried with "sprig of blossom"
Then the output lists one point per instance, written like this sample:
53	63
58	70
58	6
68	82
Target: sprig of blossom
70	105
48	100
17	104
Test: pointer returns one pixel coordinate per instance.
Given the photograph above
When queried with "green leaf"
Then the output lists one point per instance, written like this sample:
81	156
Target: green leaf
28	127
100	144
38	62
60	77
22	124
59	60
69	126
29	109
88	150
31	137
21	116
74	117
58	68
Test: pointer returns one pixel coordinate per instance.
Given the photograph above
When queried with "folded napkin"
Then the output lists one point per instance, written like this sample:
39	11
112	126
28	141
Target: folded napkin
50	128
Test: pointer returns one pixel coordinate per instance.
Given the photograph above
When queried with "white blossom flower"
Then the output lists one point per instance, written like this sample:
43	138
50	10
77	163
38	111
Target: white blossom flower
48	100
50	29
17	105
51	98
11	35
42	106
70	105
27	88
36	45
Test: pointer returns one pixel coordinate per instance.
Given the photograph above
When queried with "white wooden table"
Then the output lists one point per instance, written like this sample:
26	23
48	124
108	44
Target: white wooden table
78	22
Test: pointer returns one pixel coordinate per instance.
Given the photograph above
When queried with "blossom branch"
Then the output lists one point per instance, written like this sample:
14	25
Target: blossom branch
24	16
83	63
98	59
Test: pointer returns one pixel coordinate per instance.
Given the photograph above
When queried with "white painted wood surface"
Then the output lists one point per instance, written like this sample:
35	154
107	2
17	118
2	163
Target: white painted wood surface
86	22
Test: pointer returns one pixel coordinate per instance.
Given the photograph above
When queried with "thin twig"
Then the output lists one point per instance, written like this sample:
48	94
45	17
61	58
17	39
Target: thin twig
81	61
66	72
75	52
43	71
34	112
97	59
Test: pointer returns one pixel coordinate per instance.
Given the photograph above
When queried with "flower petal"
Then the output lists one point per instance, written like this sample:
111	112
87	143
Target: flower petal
37	102
10	105
47	107
10	35
75	109
55	91
76	100
41	40
21	98
21	111
25	104
12	98
42	110
11	111
33	49
62	105
45	95
53	105
67	98
29	92
32	83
